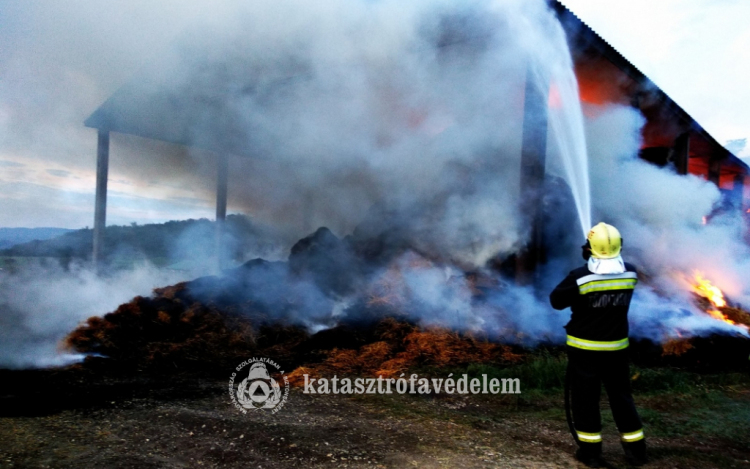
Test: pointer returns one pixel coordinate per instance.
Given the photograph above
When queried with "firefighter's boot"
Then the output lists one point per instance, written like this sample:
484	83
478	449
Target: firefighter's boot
635	452
590	454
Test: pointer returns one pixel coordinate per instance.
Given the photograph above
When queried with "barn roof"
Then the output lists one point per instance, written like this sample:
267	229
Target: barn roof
156	104
583	38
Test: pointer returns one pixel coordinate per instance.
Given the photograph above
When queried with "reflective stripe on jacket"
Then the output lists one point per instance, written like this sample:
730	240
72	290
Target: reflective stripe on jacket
599	306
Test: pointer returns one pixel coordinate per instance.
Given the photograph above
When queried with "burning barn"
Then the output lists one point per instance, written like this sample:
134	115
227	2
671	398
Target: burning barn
670	135
453	145
177	100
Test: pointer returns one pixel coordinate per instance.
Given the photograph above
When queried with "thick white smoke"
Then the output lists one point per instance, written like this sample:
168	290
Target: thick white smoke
41	304
660	214
42	301
416	108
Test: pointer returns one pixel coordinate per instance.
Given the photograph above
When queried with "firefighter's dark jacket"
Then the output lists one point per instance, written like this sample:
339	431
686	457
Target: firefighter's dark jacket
599	306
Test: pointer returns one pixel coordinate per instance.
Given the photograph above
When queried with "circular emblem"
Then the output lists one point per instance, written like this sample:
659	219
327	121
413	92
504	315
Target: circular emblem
258	390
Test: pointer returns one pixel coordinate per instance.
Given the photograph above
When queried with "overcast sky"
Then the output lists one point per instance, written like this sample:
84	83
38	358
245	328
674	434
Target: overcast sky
60	60
697	51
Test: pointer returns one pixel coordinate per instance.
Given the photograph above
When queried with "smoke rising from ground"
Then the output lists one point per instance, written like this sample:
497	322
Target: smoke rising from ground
42	299
43	303
660	215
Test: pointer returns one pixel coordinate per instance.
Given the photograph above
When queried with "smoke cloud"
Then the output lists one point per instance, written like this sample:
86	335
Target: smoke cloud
414	108
660	214
42	303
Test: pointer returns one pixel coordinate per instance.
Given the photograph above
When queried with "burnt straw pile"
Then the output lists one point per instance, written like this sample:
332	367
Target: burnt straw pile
271	308
336	307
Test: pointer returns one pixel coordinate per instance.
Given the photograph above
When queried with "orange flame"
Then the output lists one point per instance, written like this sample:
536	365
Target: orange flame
712	293
716	314
708	290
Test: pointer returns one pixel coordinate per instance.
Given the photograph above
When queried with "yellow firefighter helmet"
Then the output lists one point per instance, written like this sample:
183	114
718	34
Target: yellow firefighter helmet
605	241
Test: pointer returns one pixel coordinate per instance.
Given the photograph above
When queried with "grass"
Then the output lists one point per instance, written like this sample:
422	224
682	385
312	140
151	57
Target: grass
708	413
673	403
543	371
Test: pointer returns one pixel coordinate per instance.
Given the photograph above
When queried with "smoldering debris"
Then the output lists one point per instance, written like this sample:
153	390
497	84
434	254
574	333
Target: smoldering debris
326	287
43	302
328	311
398	347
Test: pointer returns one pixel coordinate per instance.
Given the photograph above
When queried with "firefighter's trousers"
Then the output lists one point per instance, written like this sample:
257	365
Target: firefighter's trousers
588	370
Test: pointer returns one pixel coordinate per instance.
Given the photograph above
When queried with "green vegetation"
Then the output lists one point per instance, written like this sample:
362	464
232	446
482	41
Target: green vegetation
692	419
163	244
673	403
13	236
543	371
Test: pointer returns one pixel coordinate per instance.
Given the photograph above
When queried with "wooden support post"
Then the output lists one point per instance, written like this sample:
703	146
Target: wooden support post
222	175
681	153
533	161
714	167
100	206
738	189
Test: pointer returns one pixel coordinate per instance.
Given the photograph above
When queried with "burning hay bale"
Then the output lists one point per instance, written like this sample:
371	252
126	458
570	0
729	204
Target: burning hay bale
711	299
369	320
171	331
736	315
725	349
728	314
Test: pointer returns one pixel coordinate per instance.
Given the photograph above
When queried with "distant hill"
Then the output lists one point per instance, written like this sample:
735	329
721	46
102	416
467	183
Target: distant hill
12	236
163	244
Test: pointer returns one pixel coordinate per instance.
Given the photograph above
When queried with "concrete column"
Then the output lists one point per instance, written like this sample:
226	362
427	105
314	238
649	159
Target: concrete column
533	161
100	207
222	176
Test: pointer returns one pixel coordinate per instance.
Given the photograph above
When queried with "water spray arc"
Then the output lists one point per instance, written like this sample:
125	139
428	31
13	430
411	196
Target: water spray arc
567	130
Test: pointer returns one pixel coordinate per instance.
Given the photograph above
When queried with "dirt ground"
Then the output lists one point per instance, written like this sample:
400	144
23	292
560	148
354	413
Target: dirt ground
200	428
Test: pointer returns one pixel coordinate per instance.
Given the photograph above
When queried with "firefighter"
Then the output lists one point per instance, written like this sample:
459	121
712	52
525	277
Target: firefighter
599	295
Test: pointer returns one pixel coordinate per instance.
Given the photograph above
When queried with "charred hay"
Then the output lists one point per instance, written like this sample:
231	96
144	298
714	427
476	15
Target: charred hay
167	333
213	323
171	333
